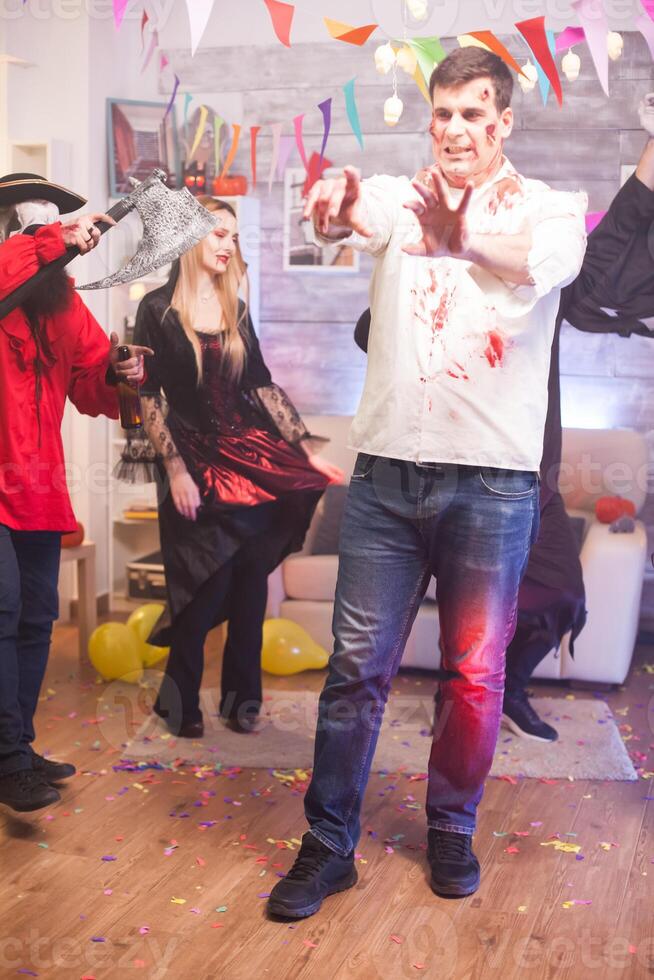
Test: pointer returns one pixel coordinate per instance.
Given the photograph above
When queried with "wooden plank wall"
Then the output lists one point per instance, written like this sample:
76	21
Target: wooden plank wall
307	318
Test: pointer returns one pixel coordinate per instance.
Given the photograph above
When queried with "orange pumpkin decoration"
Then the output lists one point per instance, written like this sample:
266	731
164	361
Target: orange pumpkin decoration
609	509
73	539
230	186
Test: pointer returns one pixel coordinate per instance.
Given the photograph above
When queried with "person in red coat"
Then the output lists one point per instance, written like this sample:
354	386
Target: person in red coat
51	349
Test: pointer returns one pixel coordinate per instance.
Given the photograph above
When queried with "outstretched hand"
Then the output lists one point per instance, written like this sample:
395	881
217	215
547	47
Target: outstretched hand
337	198
443	222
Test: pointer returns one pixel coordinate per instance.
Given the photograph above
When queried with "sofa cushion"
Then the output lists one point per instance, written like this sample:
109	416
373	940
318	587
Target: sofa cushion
310	577
328	520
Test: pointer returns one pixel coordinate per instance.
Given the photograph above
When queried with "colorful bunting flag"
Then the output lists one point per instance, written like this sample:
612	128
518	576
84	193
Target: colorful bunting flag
286	144
648	7
326	110
282	19
495	45
172	97
154	44
543	80
429	52
317	167
596	27
144	20
218	123
199	12
646	28
254	132
533	31
119	11
277	135
297	125
568	38
352	111
204	112
349	34
232	150
420	82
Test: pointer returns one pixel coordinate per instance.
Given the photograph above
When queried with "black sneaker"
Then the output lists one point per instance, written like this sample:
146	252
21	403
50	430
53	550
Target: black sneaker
454	867
53	772
519	716
318	872
27	790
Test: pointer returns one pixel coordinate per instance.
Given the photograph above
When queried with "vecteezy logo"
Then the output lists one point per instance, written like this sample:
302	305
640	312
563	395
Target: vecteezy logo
395	24
126	718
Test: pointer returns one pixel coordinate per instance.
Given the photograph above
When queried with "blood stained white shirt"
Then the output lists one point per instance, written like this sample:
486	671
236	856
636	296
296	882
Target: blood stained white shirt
458	359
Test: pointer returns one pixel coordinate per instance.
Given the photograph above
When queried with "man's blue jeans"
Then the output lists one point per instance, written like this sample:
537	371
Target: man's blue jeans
470	528
29	569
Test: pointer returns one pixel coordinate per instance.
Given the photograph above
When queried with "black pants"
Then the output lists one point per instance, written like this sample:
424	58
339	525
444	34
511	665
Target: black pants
551	601
29	604
240	587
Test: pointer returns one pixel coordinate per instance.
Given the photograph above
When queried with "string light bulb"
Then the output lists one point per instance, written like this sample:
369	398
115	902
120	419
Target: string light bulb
384	58
571	66
529	82
615	44
393	109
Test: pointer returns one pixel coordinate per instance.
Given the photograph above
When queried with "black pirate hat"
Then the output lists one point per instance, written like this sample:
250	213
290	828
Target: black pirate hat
16	188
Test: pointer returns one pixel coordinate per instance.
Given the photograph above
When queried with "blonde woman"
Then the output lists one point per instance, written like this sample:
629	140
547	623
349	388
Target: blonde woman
238	474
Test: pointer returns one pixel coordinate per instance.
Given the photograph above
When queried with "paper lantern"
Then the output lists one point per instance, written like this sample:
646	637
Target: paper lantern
419	9
393	109
571	66
615	44
527	81
384	58
407	60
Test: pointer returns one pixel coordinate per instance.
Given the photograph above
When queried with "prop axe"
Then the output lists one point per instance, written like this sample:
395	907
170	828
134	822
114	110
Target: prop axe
173	222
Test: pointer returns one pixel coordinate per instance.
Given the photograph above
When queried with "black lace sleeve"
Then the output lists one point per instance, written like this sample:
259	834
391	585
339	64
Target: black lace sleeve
286	419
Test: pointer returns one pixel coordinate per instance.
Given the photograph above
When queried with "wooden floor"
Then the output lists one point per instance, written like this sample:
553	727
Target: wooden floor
164	874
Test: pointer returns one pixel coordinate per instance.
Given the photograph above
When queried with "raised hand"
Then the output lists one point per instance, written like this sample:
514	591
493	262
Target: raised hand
443	222
82	231
337	198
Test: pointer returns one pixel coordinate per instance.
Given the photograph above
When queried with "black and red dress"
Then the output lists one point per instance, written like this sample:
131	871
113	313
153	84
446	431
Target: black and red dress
255	482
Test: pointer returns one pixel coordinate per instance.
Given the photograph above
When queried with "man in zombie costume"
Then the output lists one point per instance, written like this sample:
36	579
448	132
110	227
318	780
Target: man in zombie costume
614	293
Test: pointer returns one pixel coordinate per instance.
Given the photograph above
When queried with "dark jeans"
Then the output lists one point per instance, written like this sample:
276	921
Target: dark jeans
29	604
241	588
472	530
551	600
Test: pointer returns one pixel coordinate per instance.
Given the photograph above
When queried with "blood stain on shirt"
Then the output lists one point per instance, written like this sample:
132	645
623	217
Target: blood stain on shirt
494	352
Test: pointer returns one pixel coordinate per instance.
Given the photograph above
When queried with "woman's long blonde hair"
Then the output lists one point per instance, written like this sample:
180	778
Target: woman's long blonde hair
185	300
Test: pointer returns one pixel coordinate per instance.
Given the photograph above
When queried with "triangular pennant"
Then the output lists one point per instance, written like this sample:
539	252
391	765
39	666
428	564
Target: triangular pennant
199	12
533	31
596	28
282	19
543	80
154	44
286	144
204	112
495	45
297	125
429	52
277	135
218	124
326	110
352	111
349	34
254	132
232	150
569	37
172	97
119	11
144	20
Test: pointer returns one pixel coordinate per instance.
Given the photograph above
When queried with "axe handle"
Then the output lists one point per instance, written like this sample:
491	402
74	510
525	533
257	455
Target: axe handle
21	293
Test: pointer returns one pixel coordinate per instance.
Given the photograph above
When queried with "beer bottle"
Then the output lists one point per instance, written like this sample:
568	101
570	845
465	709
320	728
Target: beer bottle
128	398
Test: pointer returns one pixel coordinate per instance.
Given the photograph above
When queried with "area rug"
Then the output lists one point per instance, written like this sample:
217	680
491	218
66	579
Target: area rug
589	745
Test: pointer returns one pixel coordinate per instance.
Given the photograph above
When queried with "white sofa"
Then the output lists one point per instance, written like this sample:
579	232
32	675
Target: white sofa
596	462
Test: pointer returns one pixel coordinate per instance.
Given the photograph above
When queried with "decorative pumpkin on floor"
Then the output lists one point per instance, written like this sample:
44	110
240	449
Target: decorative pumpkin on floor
142	621
115	652
288	649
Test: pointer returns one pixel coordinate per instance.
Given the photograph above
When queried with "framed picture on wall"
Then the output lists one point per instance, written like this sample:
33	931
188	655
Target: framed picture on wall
300	252
140	137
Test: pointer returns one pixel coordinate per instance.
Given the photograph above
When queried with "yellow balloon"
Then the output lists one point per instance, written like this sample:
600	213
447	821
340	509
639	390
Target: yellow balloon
288	649
142	621
115	654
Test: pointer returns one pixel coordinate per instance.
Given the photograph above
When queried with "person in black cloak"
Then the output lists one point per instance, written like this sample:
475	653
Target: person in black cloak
613	293
238	475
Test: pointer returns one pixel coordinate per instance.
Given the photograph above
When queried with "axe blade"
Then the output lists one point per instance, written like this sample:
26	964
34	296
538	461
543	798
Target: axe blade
173	223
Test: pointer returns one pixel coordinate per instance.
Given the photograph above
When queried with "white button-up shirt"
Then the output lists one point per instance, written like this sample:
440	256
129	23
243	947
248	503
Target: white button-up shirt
458	359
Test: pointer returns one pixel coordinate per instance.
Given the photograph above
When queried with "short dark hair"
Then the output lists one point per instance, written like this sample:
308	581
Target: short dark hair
465	64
